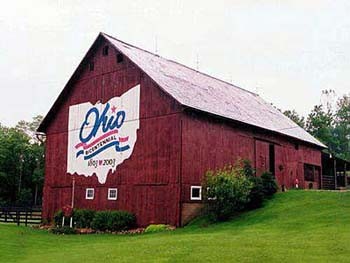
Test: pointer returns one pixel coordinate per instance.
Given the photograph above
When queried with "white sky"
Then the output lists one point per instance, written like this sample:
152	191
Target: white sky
286	50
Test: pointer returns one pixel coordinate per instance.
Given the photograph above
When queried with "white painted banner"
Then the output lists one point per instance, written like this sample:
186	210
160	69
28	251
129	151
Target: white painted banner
102	136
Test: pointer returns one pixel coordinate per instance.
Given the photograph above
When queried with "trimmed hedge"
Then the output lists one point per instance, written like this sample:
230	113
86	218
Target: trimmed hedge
65	230
98	220
83	218
113	221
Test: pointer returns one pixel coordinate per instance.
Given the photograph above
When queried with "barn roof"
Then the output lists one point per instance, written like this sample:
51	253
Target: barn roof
202	92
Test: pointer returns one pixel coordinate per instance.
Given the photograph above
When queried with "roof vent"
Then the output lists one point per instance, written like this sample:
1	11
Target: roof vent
105	51
120	58
91	66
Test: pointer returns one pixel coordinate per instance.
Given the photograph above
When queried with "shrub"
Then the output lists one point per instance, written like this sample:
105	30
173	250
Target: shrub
58	218
101	220
256	195
156	228
113	220
65	230
269	184
83	217
228	192
248	170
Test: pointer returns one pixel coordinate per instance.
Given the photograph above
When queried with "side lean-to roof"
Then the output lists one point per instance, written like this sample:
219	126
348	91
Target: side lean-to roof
205	93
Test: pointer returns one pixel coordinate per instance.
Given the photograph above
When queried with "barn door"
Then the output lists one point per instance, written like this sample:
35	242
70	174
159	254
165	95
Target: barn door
150	204
281	167
264	157
261	156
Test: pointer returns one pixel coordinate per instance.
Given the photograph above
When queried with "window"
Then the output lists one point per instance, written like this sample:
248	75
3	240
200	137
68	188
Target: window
112	193
311	172
90	193
119	58
196	193
91	66
105	51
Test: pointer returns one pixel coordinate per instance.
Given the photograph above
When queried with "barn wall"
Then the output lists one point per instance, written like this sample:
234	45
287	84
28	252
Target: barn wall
172	152
209	143
147	182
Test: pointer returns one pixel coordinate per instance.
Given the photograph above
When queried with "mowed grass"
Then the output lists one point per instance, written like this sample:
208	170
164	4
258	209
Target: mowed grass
297	226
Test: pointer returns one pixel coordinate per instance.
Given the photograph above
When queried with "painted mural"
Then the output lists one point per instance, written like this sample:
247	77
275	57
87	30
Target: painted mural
102	136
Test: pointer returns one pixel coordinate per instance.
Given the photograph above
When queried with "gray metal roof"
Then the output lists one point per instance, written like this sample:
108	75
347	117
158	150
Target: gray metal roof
205	93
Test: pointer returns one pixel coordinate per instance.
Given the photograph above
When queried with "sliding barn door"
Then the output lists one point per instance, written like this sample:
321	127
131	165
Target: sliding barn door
262	161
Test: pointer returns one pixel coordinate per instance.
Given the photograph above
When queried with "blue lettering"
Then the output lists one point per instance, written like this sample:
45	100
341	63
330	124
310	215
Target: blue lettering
103	121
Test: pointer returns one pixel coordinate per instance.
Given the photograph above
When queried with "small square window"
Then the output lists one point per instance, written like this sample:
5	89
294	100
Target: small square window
112	193
90	193
196	193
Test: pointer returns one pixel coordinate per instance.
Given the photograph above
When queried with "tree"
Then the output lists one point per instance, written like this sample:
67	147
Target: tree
21	163
30	128
320	124
342	127
294	116
329	122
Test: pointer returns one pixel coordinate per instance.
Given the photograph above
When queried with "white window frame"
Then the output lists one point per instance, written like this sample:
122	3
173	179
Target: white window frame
109	194
200	193
93	194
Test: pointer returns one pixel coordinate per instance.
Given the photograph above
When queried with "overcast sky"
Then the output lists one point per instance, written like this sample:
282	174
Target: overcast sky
287	51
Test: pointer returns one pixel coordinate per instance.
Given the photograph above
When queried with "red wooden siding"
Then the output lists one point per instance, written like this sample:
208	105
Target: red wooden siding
208	143
148	180
174	149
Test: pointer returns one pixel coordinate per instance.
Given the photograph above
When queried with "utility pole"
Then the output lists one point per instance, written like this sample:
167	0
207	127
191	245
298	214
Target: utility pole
72	204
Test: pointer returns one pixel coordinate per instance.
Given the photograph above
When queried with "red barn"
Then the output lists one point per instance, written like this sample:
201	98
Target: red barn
136	132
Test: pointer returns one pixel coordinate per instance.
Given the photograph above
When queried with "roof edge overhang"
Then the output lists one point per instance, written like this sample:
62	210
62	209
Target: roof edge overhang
103	36
47	119
319	146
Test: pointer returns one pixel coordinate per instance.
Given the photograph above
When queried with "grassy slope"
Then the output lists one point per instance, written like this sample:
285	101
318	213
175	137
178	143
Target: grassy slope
293	227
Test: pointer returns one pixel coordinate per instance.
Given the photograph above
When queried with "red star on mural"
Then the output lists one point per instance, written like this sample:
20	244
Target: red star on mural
113	109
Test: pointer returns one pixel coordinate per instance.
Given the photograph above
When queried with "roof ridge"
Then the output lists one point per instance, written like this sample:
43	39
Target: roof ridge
183	65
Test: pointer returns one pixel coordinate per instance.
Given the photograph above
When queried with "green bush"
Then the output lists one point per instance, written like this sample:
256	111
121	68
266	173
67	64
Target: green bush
83	218
247	168
58	218
101	220
269	184
156	228
228	192
65	230
256	195
113	221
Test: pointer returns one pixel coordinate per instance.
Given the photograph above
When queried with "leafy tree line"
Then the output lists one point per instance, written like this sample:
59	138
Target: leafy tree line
329	122
21	164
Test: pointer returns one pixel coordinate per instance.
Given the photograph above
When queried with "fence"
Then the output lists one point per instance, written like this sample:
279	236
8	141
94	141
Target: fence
20	215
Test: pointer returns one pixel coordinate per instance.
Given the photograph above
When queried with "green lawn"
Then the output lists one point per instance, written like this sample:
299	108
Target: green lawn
298	226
